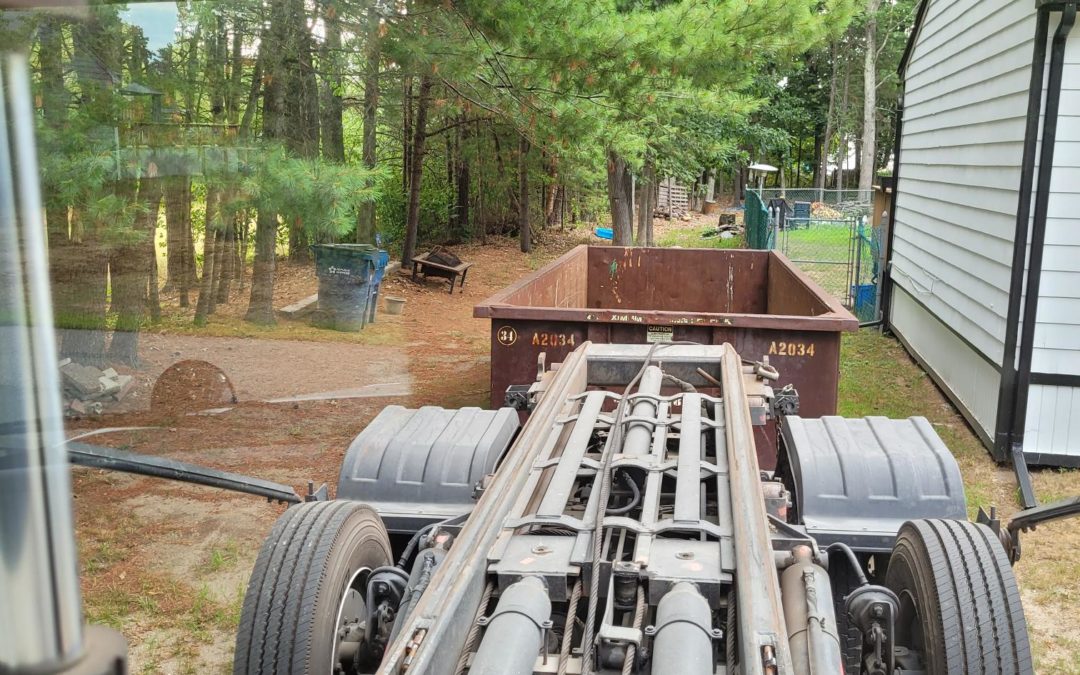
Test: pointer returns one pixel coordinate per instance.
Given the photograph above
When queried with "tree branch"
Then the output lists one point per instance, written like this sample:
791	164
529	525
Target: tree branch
459	123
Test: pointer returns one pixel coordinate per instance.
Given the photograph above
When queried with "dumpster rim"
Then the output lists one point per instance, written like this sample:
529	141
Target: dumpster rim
826	323
837	319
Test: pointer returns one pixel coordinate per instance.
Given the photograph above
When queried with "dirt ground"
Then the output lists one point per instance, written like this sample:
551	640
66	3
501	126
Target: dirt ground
167	563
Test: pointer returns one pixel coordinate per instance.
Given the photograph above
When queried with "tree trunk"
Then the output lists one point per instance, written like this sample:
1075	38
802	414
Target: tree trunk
282	119
331	109
798	162
301	112
298	240
365	224
819	139
481	215
227	262
211	252
654	197
177	190
451	171
82	275
190	276
204	305
153	299
129	272
406	132
219	261
619	187
524	229
243	235
80	263
463	180
54	102
261	304
710	185
236	72
869	127
500	165
551	189
416	167
646	190
845	138
253	95
562	206
826	144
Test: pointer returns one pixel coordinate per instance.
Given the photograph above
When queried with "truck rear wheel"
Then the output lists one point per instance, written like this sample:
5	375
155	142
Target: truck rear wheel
959	604
307	584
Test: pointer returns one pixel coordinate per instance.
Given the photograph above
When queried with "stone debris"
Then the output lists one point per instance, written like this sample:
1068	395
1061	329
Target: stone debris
87	390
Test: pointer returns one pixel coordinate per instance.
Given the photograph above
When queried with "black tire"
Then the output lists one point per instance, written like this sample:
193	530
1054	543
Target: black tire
287	624
959	604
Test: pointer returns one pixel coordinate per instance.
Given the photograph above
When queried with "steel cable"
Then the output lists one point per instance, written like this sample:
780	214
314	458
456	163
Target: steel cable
568	629
639	618
474	630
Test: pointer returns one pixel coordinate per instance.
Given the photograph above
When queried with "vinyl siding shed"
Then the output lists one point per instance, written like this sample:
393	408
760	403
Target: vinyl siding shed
967	79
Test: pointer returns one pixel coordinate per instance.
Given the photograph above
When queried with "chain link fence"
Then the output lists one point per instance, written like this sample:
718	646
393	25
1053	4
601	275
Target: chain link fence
760	229
867	272
833	243
824	249
840	202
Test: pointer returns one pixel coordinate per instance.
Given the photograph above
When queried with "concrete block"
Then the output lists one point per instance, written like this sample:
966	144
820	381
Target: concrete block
127	383
109	386
82	380
300	308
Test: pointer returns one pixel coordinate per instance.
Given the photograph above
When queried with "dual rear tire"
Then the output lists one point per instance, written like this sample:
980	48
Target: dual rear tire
959	603
310	570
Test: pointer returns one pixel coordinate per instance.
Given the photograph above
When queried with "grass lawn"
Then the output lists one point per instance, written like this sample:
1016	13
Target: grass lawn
826	244
691	237
822	251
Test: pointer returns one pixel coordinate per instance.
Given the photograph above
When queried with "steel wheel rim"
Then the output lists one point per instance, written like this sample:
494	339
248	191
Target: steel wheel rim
345	599
910	628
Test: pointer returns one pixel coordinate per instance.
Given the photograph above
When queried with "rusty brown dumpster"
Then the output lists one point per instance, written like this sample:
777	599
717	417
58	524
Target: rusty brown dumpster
756	300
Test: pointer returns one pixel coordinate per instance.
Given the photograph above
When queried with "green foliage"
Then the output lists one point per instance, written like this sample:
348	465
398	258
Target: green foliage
390	207
322	196
80	171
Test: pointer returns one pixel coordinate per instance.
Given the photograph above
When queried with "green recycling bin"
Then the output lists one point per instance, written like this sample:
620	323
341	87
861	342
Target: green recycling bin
346	273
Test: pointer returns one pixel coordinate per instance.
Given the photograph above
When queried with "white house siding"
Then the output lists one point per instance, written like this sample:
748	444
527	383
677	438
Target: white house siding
1057	332
1053	426
960	370
1053	419
965	106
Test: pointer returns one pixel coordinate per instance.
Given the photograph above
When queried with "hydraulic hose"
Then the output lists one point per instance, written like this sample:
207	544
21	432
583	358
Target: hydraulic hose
413	541
635	498
853	561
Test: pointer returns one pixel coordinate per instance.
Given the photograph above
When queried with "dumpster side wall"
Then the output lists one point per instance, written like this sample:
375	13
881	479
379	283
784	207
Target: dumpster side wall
678	280
559	284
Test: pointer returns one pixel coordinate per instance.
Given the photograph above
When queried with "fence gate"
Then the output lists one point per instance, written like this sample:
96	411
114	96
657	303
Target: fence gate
840	250
825	249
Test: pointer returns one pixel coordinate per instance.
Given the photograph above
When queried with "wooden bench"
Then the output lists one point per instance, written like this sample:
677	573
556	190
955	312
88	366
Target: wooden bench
430	268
